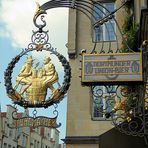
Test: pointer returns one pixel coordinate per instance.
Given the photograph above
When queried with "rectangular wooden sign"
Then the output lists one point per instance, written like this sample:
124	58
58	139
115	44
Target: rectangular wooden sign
118	67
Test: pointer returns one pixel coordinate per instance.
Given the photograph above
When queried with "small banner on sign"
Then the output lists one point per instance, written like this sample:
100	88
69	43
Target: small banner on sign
34	122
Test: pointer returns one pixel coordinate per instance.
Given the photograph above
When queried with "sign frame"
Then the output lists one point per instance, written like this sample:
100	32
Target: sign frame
115	80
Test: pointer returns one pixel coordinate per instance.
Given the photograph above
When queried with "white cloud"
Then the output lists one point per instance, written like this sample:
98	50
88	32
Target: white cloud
4	33
17	15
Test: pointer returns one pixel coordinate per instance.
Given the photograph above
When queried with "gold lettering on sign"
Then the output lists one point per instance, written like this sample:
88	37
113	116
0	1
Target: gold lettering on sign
34	122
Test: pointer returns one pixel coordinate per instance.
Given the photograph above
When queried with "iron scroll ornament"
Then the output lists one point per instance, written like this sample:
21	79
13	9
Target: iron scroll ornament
39	43
83	6
87	8
128	115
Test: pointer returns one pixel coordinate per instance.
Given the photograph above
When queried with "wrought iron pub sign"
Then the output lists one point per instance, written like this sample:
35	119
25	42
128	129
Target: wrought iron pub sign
35	79
126	105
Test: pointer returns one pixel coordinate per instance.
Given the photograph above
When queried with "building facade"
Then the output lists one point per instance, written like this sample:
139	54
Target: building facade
83	131
26	137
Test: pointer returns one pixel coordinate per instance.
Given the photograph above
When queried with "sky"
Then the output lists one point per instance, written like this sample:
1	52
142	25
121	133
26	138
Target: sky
16	27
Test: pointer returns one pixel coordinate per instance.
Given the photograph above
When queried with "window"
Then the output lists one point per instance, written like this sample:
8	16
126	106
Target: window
38	144
24	141
97	112
37	130
49	136
5	145
35	143
6	128
102	101
9	146
105	32
10	133
18	132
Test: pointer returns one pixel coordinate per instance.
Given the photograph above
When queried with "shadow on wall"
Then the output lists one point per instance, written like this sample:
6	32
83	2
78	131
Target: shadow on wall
115	139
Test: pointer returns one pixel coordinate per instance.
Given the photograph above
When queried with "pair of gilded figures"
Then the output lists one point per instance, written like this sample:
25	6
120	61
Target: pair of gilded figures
34	81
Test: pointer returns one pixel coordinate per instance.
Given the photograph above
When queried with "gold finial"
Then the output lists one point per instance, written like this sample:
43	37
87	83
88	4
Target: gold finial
83	51
145	43
129	119
38	12
38	8
38	5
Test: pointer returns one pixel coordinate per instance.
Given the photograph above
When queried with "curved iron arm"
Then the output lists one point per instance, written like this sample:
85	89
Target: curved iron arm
86	8
138	124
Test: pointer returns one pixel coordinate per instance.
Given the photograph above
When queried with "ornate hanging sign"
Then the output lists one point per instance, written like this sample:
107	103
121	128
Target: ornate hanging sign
119	67
33	82
34	122
37	82
126	104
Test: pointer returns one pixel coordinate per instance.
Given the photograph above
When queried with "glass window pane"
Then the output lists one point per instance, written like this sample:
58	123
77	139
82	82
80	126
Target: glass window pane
110	7
98	111
102	101
98	12
110	89
98	34
109	31
104	32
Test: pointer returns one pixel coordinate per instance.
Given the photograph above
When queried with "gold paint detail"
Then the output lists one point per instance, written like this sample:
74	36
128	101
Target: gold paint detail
39	47
38	11
34	81
83	51
121	106
15	96
34	122
145	43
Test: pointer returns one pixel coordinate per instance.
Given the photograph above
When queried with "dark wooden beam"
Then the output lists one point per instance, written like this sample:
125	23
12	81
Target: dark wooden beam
81	140
143	26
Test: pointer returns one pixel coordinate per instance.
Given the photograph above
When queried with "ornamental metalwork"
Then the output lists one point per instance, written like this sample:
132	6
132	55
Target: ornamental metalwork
125	104
37	83
34	80
35	121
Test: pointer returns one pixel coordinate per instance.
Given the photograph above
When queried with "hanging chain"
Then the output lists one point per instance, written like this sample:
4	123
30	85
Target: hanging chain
55	109
15	107
26	113
34	113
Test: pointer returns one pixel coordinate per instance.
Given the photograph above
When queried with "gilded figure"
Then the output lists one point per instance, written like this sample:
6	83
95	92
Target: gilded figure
25	72
35	81
50	73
